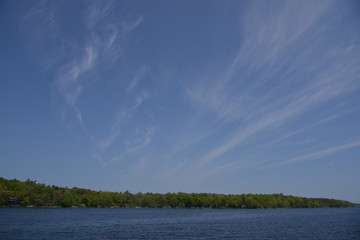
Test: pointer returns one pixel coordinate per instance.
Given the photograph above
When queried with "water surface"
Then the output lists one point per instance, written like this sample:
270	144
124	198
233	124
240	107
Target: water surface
119	223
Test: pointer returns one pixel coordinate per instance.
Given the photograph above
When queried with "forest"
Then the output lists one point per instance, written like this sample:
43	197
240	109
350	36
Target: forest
15	193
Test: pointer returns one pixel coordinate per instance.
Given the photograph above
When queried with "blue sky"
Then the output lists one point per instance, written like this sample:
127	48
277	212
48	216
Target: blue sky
193	96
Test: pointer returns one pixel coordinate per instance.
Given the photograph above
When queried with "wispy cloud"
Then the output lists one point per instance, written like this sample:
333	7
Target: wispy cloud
43	11
135	81
268	41
322	89
99	44
128	27
107	162
96	11
122	117
69	78
289	134
80	59
144	94
144	140
269	82
320	154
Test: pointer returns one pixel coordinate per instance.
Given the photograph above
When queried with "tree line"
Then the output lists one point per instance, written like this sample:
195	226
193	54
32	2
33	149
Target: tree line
15	193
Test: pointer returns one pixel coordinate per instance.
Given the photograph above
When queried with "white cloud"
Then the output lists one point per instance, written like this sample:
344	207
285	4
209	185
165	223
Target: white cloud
128	27
321	153
144	94
97	11
144	140
43	12
110	161
289	134
69	81
134	82
311	96
101	44
121	118
269	82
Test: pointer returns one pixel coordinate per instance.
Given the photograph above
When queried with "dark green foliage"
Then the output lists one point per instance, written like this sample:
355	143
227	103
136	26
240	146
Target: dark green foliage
15	193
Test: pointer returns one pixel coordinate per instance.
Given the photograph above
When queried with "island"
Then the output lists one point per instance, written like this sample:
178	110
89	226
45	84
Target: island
15	193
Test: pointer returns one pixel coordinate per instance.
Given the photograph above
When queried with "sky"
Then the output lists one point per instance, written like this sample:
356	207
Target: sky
194	96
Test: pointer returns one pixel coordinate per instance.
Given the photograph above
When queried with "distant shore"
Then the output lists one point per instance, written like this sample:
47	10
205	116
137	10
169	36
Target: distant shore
29	194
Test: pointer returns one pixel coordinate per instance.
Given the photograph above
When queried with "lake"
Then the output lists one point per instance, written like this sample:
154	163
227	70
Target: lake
123	223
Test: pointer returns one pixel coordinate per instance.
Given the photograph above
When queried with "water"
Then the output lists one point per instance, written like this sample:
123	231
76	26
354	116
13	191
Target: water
117	223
